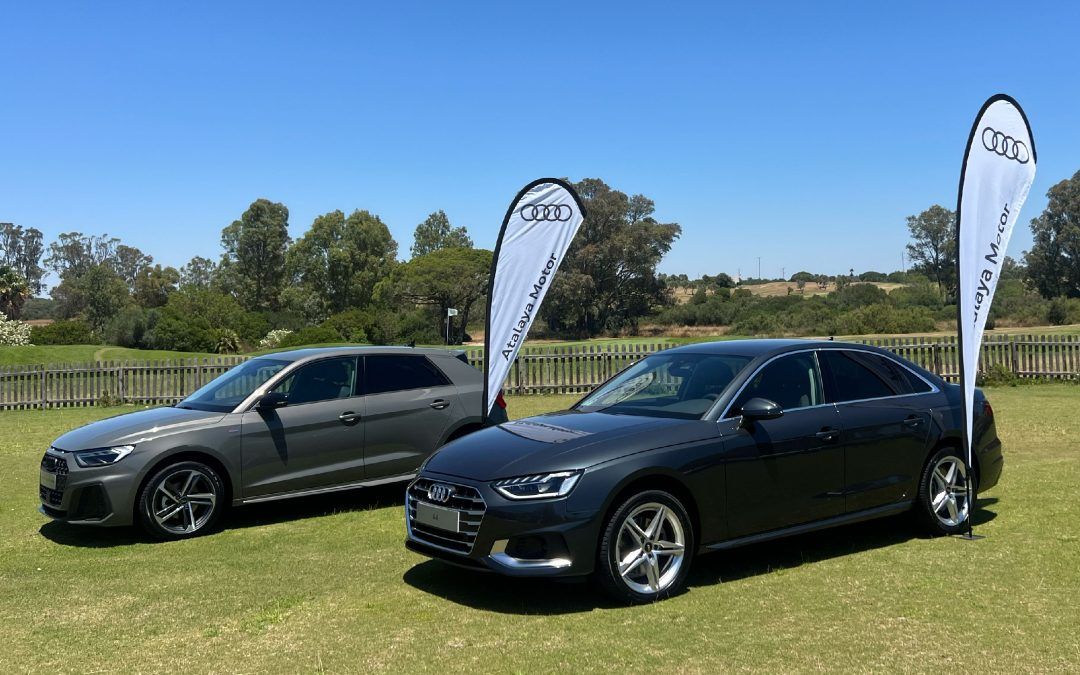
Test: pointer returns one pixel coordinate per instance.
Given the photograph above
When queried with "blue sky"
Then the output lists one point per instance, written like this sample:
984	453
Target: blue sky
803	133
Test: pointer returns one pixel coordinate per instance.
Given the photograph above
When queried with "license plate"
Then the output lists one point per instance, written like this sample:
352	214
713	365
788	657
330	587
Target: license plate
48	479
437	516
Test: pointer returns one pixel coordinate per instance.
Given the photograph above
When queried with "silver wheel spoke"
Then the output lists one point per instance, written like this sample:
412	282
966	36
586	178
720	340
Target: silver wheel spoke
667	548
652	573
657	522
950	477
191	518
169	511
635	531
939	501
635	562
953	513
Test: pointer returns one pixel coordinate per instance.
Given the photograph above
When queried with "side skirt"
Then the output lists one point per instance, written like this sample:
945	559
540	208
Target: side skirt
333	488
835	521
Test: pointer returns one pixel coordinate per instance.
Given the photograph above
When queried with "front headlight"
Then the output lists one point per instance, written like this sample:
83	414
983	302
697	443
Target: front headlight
539	486
102	456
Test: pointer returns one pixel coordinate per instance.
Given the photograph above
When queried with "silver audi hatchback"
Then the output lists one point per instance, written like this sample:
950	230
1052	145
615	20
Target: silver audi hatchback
283	425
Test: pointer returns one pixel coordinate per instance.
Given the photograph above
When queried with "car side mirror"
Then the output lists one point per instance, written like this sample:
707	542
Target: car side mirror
761	409
272	401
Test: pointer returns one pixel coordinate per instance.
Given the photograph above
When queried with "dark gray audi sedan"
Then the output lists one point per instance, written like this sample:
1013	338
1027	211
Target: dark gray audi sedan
282	425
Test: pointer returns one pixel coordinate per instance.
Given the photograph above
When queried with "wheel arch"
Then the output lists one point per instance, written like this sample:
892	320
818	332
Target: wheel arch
655	478
185	454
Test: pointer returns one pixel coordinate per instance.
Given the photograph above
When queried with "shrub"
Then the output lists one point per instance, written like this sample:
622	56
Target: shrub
351	325
1058	312
312	335
72	332
998	375
12	332
273	338
130	328
225	340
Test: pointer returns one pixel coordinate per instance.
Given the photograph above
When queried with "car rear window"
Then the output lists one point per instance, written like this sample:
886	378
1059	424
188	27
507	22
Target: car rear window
400	372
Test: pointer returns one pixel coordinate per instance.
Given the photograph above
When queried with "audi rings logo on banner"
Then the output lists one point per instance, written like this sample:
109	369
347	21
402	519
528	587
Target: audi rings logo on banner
1006	146
550	212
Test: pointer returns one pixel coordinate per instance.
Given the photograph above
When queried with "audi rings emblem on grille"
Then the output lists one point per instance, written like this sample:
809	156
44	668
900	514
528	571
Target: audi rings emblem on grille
440	493
1006	146
552	212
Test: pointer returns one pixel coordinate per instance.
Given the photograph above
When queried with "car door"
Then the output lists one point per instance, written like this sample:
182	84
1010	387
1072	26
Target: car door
788	470
408	407
316	440
885	426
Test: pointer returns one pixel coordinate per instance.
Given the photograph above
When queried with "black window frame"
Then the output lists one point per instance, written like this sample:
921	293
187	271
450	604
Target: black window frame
358	365
446	381
734	410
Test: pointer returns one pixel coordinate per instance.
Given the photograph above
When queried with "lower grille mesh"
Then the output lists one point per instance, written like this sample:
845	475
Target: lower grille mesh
58	466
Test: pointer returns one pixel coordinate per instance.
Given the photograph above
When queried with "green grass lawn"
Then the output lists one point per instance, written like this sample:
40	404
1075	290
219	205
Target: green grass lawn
324	584
49	354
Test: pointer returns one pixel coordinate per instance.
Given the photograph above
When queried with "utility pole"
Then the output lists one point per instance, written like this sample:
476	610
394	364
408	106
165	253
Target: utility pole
783	273
903	264
759	267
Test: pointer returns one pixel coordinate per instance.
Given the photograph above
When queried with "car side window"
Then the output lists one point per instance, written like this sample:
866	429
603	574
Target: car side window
323	380
855	377
792	381
400	372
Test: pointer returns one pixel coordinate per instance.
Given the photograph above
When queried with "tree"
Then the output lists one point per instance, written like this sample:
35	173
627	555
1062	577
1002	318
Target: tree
13	291
1053	263
608	279
338	262
253	265
933	247
153	285
446	278
129	263
96	296
74	253
199	272
22	250
436	233
723	280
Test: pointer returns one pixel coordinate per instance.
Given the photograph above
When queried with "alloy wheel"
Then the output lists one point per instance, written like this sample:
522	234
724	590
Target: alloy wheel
650	548
949	491
184	501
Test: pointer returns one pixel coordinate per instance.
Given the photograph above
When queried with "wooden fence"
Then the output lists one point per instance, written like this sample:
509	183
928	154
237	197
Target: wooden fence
537	370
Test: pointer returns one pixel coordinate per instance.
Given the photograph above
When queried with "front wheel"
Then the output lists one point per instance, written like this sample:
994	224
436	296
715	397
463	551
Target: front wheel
181	500
943	503
646	548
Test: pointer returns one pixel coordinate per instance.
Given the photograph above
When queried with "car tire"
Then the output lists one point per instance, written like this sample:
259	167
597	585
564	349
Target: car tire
181	500
942	505
634	564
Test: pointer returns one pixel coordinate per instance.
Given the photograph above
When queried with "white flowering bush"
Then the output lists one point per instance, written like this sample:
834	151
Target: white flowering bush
13	332
273	338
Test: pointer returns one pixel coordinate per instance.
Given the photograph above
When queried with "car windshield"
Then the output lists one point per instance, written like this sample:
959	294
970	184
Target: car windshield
677	385
226	392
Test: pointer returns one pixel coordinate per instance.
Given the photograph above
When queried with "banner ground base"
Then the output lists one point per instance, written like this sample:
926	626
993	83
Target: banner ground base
969	537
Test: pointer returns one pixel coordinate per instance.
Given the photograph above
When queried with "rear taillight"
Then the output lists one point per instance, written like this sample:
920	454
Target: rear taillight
500	401
987	409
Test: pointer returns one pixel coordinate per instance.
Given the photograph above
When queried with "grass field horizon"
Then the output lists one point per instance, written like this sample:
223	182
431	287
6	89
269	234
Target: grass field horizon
325	584
59	354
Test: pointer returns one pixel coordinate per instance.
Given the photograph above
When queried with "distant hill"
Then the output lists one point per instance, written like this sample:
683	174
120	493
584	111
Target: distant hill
777	288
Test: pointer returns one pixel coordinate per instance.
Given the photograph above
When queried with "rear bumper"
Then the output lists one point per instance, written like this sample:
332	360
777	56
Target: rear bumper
991	463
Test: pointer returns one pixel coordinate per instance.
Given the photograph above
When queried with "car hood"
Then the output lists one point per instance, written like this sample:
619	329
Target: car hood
136	427
558	442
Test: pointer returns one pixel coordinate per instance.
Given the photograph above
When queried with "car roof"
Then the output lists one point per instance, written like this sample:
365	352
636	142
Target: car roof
754	348
295	355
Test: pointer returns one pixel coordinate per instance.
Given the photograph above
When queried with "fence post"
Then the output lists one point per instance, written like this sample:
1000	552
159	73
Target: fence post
1014	360
44	388
935	351
121	392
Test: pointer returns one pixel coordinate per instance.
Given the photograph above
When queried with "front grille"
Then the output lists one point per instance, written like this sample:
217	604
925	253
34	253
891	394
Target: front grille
58	466
466	500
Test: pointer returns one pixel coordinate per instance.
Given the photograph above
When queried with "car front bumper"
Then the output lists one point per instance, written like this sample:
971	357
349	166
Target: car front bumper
95	496
528	538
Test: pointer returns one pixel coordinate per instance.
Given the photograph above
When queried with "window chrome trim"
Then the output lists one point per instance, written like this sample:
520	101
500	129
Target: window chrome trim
934	389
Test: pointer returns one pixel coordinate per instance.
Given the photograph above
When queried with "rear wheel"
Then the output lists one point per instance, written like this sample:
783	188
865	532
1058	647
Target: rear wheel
943	504
646	548
181	500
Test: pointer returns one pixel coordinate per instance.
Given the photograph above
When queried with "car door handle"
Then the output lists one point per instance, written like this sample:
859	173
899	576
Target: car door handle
349	418
913	422
440	403
828	434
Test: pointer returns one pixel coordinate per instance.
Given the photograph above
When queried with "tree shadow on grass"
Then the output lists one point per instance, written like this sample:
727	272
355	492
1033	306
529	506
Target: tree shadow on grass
254	515
496	593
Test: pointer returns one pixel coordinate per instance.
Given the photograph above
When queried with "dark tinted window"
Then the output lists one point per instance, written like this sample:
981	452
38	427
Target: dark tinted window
856	376
790	381
394	372
900	378
320	381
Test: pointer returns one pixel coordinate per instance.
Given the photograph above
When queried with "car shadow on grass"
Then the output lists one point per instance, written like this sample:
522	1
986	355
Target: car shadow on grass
496	593
254	515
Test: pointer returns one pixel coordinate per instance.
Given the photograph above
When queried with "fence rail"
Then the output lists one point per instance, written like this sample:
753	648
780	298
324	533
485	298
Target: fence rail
541	369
